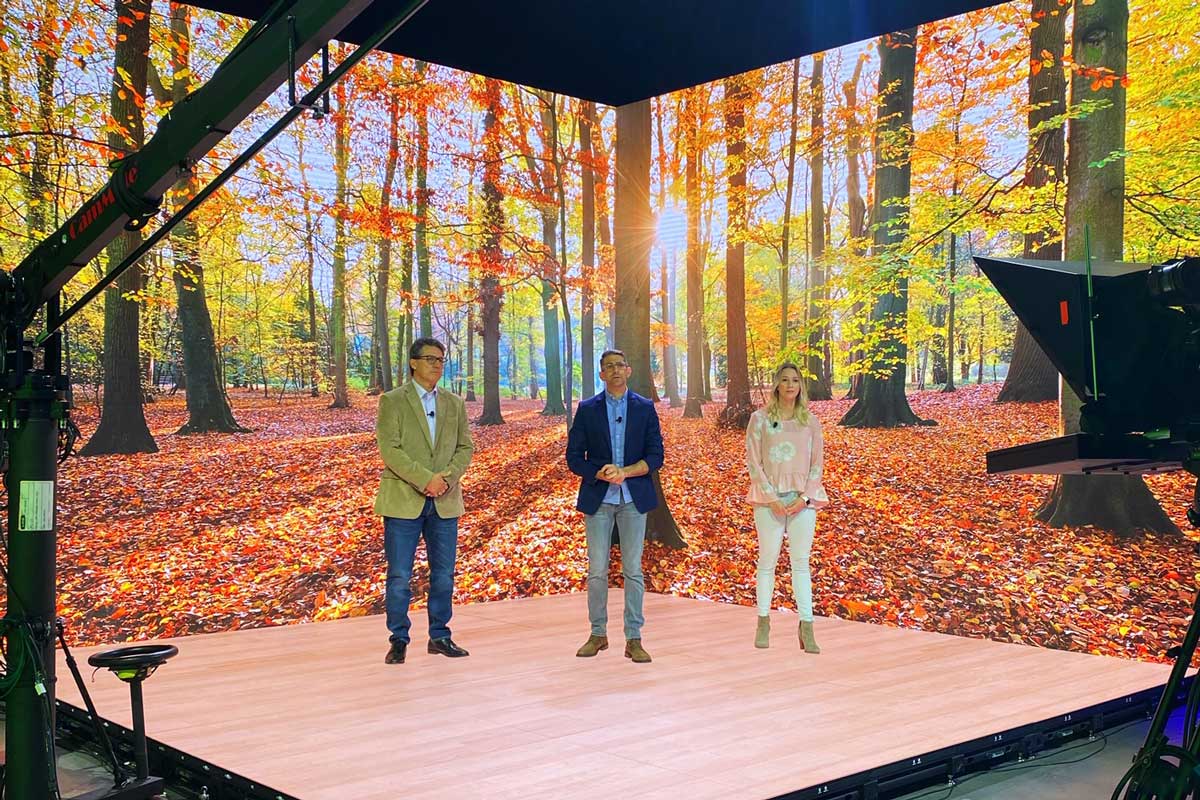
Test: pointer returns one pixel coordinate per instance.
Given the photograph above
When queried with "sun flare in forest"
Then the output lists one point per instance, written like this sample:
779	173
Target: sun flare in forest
671	228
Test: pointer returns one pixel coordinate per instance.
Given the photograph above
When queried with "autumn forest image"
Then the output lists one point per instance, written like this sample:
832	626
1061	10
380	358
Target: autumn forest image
824	211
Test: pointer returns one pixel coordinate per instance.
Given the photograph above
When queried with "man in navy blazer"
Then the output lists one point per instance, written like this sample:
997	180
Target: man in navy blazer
615	443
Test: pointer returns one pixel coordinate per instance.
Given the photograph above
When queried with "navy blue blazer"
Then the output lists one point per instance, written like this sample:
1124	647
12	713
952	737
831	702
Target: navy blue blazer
589	448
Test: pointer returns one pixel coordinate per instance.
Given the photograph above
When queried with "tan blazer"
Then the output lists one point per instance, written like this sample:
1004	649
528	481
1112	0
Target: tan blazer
411	459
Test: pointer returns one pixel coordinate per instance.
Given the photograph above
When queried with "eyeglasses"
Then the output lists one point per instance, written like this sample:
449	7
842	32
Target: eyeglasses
431	360
613	365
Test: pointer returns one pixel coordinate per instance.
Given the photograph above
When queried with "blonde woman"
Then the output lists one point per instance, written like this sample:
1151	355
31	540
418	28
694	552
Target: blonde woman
784	452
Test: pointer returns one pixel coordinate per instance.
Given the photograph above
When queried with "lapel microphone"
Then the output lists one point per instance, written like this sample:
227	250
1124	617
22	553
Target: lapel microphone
620	419
431	413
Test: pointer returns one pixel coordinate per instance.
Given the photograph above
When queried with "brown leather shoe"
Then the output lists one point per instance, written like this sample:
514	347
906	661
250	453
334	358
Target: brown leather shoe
593	645
635	651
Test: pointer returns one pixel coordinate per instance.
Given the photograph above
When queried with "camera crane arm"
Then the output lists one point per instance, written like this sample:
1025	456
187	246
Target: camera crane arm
32	396
288	35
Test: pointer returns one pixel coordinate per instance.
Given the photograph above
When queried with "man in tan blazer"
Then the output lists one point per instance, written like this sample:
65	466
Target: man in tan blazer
426	445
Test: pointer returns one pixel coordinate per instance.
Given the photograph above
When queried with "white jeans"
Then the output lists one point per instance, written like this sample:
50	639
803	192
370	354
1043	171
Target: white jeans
799	528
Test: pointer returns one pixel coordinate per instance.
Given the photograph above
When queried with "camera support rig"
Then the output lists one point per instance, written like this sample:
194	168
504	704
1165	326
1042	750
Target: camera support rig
1126	339
34	410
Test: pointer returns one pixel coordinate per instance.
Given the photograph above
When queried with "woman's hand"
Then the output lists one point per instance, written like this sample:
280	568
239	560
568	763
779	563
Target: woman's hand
798	505
777	509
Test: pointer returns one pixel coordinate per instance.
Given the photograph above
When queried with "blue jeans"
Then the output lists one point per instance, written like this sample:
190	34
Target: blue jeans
631	531
400	538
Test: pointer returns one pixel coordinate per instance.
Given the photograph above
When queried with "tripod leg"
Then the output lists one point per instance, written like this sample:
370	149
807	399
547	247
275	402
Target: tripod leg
1148	763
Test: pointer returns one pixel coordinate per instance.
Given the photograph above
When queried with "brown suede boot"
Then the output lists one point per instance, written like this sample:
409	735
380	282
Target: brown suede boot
593	645
635	651
807	639
762	634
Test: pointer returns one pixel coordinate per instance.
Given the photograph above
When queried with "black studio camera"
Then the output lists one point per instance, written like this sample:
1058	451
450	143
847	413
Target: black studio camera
1126	339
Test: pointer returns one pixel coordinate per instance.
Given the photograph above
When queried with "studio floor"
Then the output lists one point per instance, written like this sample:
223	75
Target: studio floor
312	710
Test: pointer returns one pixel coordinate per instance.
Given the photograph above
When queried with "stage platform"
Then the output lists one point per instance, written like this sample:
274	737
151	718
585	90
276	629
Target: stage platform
312	711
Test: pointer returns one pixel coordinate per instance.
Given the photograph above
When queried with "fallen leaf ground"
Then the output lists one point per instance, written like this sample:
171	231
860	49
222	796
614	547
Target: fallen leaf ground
274	527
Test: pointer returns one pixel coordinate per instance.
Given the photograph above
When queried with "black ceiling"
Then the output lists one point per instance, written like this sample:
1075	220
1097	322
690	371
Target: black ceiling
619	51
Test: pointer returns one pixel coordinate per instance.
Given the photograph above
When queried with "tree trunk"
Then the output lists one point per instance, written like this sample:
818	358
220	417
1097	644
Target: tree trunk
551	348
420	231
587	312
604	261
666	178
122	427
982	330
1095	197
785	265
491	291
738	408
817	370
470	395
38	186
337	316
708	365
882	402
407	271
856	210
634	235
1031	376
383	277
543	182
693	408
533	381
208	408
561	192
314	368
951	333
512	370
671	354
940	346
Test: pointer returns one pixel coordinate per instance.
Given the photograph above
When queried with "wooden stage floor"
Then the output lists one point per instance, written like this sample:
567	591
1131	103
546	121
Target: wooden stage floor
312	710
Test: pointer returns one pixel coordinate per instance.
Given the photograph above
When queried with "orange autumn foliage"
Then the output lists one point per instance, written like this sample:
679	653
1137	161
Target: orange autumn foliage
220	532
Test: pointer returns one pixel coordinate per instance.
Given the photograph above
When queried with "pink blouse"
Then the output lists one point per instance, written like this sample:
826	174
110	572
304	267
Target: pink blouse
784	456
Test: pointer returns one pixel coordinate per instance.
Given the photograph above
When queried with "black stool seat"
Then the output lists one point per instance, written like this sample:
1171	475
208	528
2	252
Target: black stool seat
134	662
133	665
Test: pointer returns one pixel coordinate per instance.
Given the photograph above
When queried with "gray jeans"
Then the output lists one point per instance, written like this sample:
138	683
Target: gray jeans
631	527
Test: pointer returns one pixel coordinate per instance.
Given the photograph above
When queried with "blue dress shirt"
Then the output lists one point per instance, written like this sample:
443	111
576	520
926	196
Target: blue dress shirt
617	408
